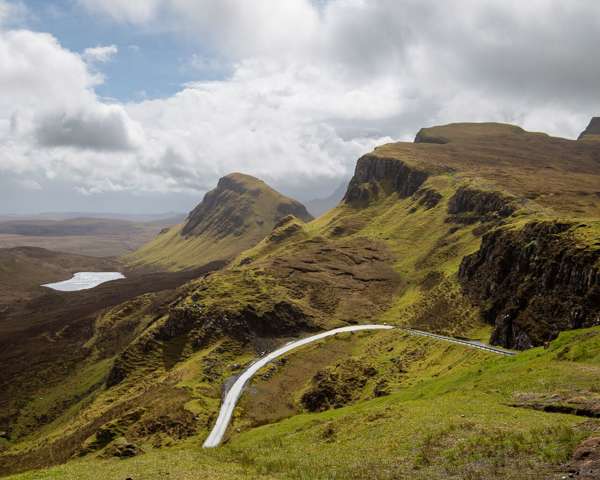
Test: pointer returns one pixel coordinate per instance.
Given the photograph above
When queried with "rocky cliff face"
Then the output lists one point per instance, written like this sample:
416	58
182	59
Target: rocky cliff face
592	130
375	176
470	205
533	283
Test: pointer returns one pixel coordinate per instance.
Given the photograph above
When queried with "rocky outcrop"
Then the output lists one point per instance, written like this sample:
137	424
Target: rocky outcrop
585	463
533	283
592	130
376	176
338	387
427	197
469	205
286	228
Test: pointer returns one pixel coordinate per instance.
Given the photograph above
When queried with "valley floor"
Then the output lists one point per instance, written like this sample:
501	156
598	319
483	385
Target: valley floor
456	413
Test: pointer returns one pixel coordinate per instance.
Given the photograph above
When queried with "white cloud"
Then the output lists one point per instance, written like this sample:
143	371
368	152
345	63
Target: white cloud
101	54
309	88
49	112
509	57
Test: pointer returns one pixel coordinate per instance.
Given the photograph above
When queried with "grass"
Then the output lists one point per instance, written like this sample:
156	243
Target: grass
457	424
185	462
448	413
78	387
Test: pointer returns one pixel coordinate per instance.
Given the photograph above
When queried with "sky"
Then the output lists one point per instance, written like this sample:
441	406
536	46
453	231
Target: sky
140	106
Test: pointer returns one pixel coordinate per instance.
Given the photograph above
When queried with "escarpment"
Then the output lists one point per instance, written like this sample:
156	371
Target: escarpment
533	283
376	176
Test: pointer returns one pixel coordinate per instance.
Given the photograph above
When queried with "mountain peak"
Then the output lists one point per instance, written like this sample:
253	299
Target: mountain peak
237	180
239	201
592	131
237	214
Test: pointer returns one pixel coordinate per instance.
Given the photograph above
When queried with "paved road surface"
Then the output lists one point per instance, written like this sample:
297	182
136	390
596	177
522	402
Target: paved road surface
460	341
233	395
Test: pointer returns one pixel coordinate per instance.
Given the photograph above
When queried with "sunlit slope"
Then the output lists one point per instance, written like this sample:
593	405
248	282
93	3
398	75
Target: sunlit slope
453	234
234	216
460	414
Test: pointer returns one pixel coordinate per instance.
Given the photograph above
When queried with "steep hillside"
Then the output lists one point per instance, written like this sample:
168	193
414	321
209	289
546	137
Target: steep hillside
483	231
234	216
592	132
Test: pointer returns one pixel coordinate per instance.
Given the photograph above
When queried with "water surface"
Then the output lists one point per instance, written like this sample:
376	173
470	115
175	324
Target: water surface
84	281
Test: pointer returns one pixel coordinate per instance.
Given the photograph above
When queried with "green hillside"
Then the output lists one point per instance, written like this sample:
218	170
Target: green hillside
461	414
483	231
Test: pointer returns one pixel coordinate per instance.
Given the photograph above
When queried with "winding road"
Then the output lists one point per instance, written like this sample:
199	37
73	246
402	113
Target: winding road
467	343
233	395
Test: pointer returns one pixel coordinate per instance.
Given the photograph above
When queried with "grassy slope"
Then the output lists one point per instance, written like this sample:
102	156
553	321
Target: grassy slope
172	251
449	423
447	414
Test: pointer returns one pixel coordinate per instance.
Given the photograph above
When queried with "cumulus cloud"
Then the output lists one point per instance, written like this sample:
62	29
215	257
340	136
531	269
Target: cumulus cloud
103	128
306	87
49	108
37	74
101	54
508	57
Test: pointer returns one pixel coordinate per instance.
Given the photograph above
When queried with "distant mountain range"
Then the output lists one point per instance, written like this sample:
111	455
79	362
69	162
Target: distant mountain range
319	206
59	216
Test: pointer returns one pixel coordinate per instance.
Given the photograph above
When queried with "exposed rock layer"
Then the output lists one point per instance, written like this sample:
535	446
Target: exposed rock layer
469	205
375	176
533	283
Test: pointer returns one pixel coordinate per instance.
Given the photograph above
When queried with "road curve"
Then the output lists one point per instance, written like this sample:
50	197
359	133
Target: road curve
233	395
460	341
